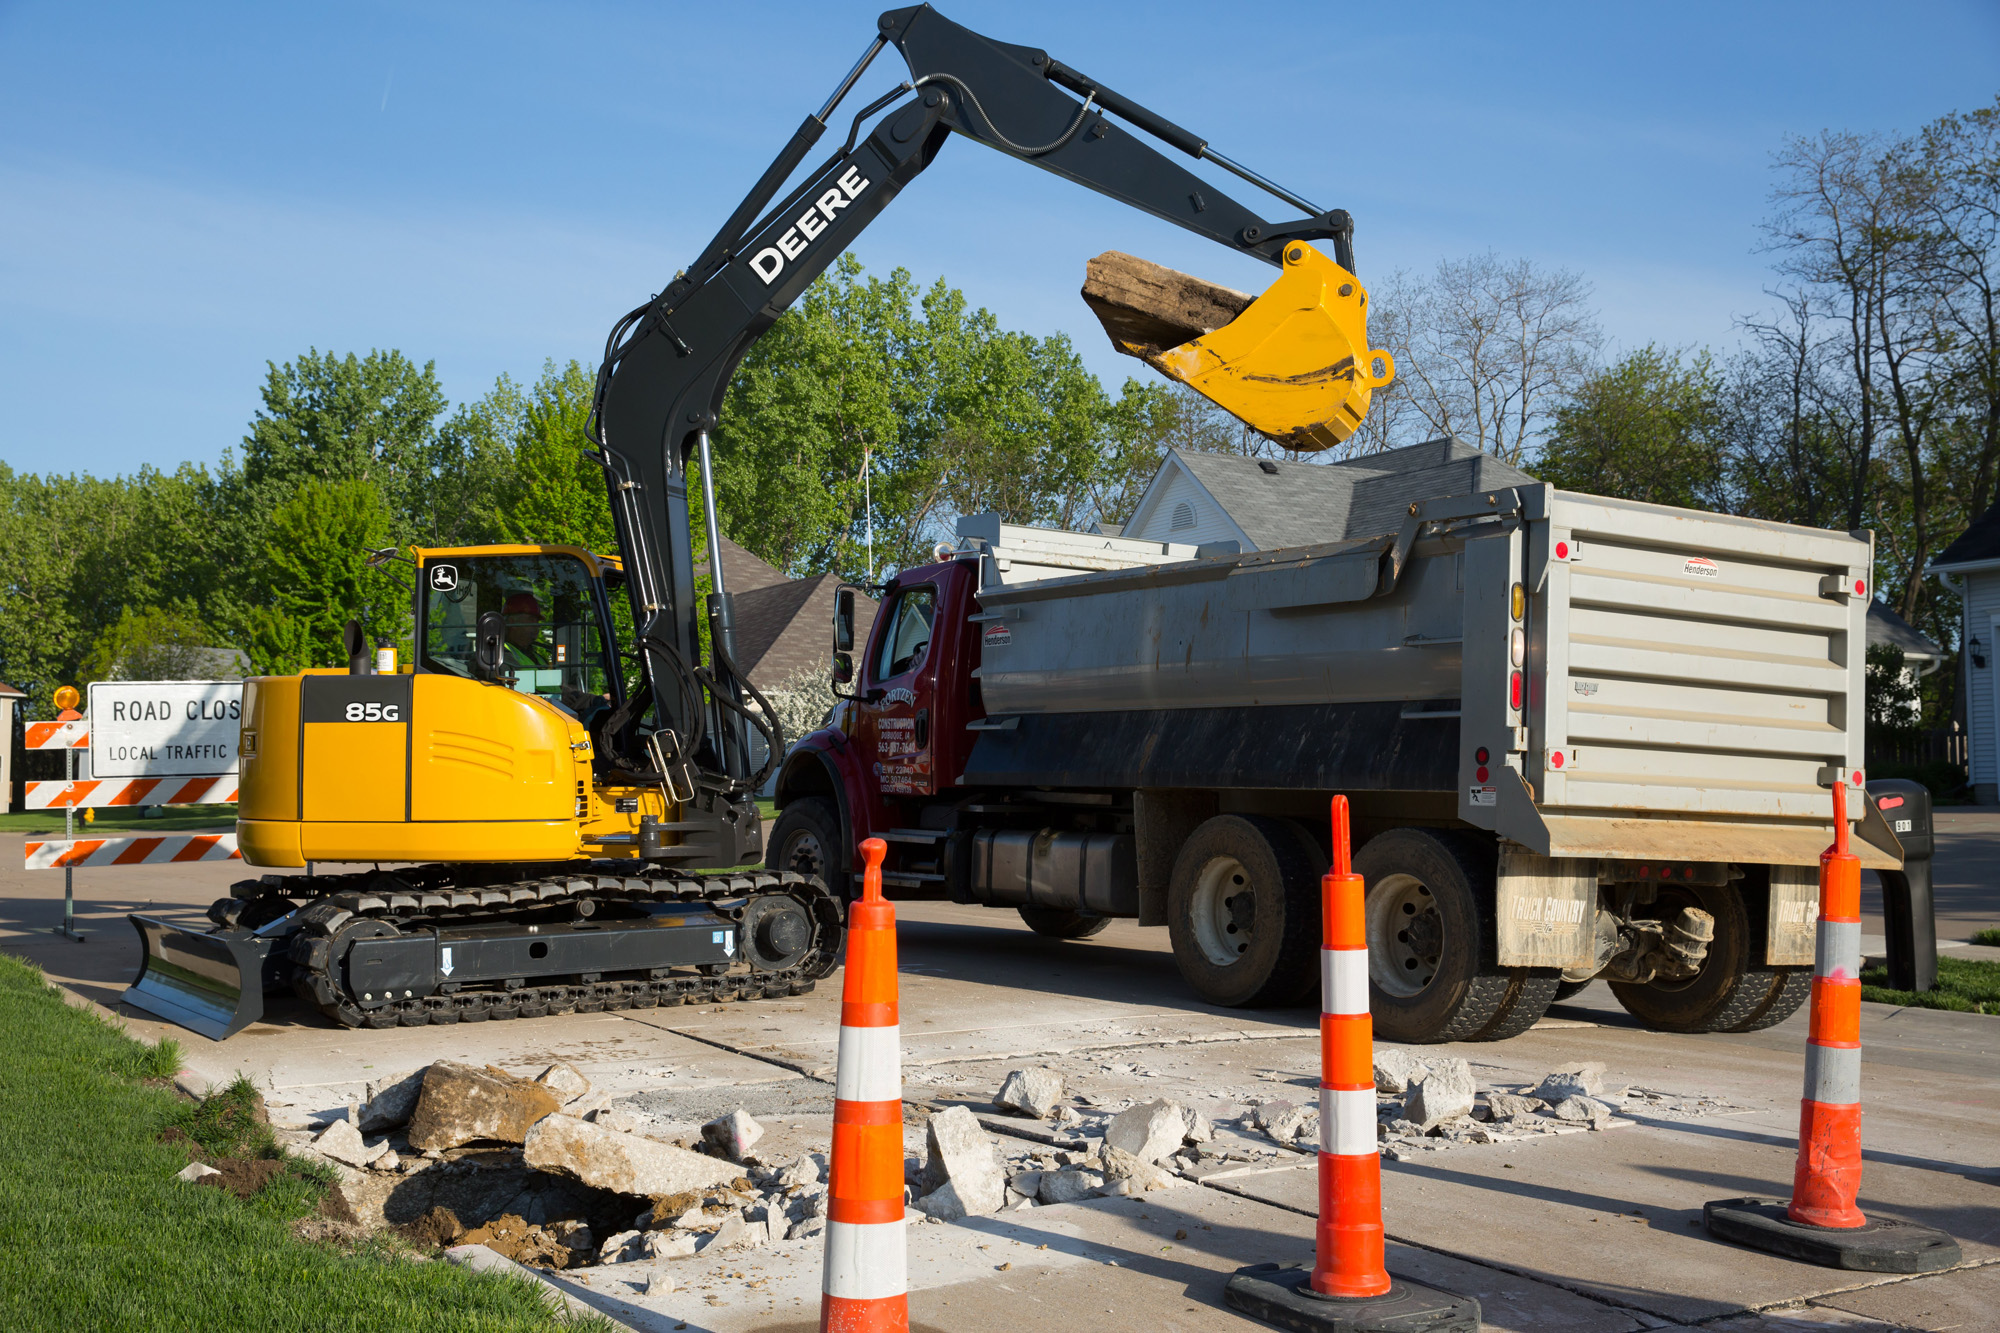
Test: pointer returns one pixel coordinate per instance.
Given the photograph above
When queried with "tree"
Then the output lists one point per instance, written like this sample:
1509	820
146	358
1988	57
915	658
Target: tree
315	564
1644	428
1485	348
556	493
153	643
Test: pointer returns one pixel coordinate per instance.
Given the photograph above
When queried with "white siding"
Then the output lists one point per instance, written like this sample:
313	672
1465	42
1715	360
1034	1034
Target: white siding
1155	523
1982	603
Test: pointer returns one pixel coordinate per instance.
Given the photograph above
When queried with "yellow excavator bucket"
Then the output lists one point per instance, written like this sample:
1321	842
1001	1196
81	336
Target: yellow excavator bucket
1296	363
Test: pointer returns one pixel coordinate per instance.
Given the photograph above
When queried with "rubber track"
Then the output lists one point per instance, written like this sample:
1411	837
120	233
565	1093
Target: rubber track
435	895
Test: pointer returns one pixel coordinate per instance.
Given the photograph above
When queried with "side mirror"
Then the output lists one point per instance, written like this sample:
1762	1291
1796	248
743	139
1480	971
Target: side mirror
489	645
843	668
843	622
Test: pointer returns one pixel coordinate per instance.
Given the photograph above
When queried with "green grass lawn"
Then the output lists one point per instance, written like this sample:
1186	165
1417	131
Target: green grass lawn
95	1232
1968	985
124	823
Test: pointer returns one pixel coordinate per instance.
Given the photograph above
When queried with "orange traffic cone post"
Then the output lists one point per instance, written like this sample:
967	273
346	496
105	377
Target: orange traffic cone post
1347	1288
865	1288
1821	1223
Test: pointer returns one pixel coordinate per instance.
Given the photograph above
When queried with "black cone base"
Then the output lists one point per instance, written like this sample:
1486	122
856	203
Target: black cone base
1883	1245
1279	1295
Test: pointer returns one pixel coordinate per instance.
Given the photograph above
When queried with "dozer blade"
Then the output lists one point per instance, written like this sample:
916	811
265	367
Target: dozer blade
1294	363
211	982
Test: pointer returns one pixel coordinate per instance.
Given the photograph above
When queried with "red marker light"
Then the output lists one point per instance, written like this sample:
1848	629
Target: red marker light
1479	756
1860	587
1555	759
1562	550
1888	802
1857	777
1514	691
1479	774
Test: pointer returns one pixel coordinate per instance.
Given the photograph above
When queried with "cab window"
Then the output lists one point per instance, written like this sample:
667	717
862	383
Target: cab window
555	645
909	632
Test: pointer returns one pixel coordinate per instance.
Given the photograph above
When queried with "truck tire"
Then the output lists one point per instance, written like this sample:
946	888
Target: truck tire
1569	990
1059	923
1431	943
808	838
1733	992
1243	911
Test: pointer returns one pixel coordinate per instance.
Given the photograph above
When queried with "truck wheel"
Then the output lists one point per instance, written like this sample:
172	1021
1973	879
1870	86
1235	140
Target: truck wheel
1733	991
1431	943
1059	923
1568	990
808	838
1243	911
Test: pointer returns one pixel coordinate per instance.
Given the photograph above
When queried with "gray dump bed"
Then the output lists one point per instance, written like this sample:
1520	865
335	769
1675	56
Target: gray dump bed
1688	683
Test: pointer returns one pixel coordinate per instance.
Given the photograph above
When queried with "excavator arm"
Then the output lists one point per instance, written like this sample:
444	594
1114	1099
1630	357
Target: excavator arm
668	363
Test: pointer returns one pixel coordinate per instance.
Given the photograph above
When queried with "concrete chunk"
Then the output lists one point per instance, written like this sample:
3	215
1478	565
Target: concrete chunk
1394	1069
1584	1080
390	1102
1583	1110
628	1163
1508	1106
460	1104
1070	1184
195	1171
1135	1174
1198	1130
734	1134
565	1082
1036	1092
342	1142
1148	1131
1147	307
960	1154
1445	1092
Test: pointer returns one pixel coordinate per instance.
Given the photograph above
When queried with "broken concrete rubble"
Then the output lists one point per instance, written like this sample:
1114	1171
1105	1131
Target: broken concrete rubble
1394	1069
1583	1080
1508	1106
1037	1092
342	1142
390	1102
733	1135
565	1082
1291	1126
460	1104
1136	1174
1070	1184
960	1153
1444	1092
628	1163
1148	1131
1586	1110
195	1171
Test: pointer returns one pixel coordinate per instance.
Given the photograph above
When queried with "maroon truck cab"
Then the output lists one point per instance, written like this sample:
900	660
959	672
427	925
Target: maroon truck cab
892	746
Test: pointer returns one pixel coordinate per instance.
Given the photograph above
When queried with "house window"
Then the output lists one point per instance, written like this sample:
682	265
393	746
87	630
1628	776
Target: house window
1183	516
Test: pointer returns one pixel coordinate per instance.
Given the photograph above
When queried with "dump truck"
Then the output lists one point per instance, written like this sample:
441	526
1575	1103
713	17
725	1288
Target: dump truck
513	825
1582	737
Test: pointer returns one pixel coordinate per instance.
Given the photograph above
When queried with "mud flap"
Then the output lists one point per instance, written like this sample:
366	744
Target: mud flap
211	982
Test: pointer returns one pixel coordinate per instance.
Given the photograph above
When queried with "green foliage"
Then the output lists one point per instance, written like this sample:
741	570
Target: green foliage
153	643
95	1232
316	569
1988	938
1943	778
1967	985
1643	428
555	493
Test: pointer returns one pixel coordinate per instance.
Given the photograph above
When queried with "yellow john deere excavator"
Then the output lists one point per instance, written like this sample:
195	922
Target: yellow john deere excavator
528	831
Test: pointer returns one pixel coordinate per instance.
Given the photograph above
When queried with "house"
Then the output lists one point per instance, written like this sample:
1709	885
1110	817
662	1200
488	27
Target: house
1970	567
784	627
1200	499
10	700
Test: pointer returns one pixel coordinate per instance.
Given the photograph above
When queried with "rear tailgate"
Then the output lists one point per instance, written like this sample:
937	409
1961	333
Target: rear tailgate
1702	682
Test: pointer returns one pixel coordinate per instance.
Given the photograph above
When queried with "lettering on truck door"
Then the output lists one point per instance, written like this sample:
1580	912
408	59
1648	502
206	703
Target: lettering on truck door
894	714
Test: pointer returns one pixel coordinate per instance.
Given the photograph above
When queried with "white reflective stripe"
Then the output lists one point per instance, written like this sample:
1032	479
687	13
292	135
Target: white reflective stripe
1833	1075
871	1065
1837	950
1347	1121
1343	981
866	1261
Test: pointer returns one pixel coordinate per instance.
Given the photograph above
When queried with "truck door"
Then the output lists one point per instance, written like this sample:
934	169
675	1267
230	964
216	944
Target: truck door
896	709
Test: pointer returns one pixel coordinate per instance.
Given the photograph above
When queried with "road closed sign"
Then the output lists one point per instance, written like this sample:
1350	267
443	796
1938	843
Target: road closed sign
164	728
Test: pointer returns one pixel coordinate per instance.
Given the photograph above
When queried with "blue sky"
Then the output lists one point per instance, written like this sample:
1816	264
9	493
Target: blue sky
189	191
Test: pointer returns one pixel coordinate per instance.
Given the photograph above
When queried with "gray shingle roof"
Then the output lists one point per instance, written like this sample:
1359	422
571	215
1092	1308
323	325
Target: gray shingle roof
1979	542
1885	626
1300	504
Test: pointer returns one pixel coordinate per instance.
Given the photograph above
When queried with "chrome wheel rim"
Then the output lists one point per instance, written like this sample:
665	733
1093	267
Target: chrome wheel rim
1406	936
1223	911
803	853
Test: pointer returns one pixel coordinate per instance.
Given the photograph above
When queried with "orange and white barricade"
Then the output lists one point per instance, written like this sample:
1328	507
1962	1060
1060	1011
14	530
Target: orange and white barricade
865	1288
167	849
113	793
